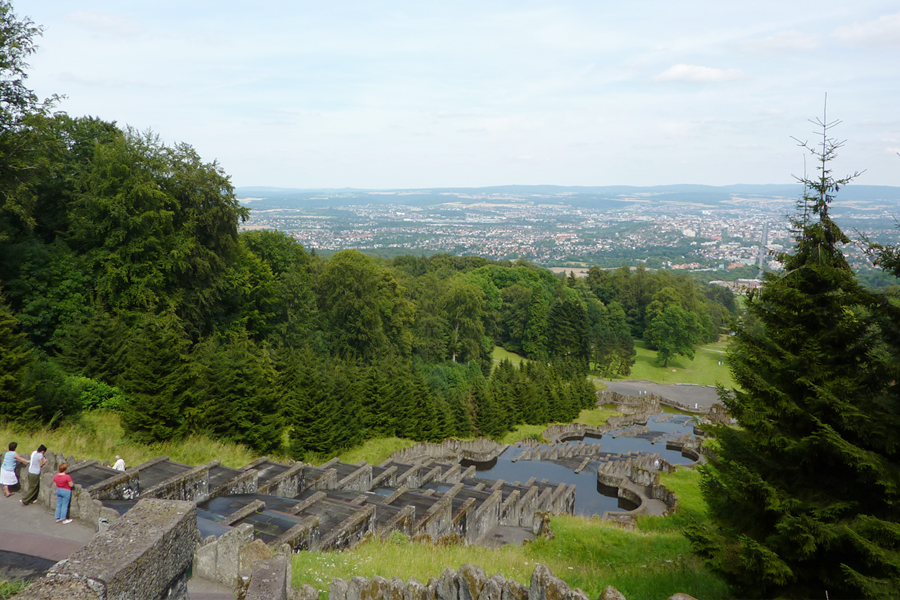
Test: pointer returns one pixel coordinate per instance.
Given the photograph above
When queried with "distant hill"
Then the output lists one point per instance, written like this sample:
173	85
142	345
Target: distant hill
580	196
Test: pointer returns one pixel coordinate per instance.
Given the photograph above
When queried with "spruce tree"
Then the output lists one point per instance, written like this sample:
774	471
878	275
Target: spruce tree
805	494
15	358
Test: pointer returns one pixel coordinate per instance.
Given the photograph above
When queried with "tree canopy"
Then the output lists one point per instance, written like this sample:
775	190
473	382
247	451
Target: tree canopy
805	494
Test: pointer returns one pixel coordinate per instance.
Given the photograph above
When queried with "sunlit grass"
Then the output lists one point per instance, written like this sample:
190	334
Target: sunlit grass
98	435
653	561
500	354
703	370
374	451
595	416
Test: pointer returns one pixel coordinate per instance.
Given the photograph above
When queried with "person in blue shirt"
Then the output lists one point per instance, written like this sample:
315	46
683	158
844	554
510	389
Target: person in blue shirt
8	468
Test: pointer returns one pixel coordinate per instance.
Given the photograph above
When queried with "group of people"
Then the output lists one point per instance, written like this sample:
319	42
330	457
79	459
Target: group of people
63	481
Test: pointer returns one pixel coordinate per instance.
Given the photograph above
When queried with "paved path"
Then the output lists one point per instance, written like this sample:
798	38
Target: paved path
31	530
688	394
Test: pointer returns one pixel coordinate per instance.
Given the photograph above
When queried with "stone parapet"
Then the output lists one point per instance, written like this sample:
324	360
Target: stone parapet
145	554
479	450
190	486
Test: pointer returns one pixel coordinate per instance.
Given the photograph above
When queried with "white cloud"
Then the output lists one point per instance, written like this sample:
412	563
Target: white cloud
697	74
780	43
107	22
883	32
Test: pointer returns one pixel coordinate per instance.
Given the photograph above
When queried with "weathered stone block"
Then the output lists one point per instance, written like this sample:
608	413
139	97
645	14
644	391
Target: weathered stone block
611	593
338	589
680	596
448	585
355	587
431	589
493	588
415	590
249	556
307	592
270	580
205	561
396	589
376	589
471	582
228	559
513	590
546	586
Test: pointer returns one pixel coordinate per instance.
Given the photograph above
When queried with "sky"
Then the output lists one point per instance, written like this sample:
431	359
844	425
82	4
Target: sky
431	94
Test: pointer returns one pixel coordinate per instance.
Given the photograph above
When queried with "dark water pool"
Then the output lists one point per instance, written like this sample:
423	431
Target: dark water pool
590	499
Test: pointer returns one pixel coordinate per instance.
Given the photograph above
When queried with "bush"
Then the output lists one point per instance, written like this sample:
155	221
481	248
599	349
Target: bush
96	394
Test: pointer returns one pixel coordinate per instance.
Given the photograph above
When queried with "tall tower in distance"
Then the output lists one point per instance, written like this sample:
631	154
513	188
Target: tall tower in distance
763	242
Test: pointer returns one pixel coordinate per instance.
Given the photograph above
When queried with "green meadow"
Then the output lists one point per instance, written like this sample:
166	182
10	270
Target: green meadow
704	369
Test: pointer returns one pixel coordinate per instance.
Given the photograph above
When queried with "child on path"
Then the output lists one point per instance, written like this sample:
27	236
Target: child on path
34	475
8	468
64	486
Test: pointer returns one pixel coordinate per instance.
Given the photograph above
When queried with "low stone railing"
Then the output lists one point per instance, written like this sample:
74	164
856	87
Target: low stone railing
478	450
145	554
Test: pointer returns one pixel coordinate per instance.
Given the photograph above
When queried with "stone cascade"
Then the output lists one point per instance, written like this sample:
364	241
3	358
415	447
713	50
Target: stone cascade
558	451
478	450
294	507
690	447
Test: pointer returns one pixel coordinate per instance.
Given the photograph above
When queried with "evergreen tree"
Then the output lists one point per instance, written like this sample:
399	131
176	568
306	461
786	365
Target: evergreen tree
805	495
15	358
155	372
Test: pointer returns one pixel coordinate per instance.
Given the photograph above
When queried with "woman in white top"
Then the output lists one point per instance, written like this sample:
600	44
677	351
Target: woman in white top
8	468
34	475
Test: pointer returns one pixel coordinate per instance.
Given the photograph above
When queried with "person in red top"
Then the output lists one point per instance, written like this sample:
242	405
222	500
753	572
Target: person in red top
64	486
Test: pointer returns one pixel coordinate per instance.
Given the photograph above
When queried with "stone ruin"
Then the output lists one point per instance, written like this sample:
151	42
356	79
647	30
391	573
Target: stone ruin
147	555
252	518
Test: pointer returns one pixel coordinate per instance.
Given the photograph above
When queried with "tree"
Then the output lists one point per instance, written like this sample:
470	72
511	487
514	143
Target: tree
15	358
673	332
805	495
18	105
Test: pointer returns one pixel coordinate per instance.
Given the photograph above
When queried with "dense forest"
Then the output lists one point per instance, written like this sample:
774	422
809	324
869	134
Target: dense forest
126	283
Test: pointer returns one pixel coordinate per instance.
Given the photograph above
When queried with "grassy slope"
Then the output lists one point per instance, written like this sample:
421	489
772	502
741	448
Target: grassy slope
99	435
703	370
653	561
500	353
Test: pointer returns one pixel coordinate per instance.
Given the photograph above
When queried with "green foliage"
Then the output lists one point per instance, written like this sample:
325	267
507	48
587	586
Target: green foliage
125	273
805	494
95	395
15	359
674	332
51	396
11	587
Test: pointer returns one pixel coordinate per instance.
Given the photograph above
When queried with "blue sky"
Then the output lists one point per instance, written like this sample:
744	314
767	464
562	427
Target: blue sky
416	94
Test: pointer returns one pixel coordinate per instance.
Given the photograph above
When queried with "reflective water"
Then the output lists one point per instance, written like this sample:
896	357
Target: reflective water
590	499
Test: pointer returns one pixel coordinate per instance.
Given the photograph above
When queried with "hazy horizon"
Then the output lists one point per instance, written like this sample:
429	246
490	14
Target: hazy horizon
374	95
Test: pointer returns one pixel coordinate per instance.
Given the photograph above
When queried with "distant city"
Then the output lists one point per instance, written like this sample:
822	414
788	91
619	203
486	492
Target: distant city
693	228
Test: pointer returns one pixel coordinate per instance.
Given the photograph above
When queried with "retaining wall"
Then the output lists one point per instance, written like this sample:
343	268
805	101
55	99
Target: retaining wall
145	554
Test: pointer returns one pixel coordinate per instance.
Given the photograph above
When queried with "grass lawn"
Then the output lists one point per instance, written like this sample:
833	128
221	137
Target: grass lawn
500	353
374	451
703	370
653	561
98	435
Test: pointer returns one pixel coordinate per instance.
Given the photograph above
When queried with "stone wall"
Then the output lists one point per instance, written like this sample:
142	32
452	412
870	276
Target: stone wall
145	554
480	450
469	583
190	486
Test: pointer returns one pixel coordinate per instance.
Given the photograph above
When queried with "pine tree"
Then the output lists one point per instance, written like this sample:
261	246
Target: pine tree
805	495
15	358
156	376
